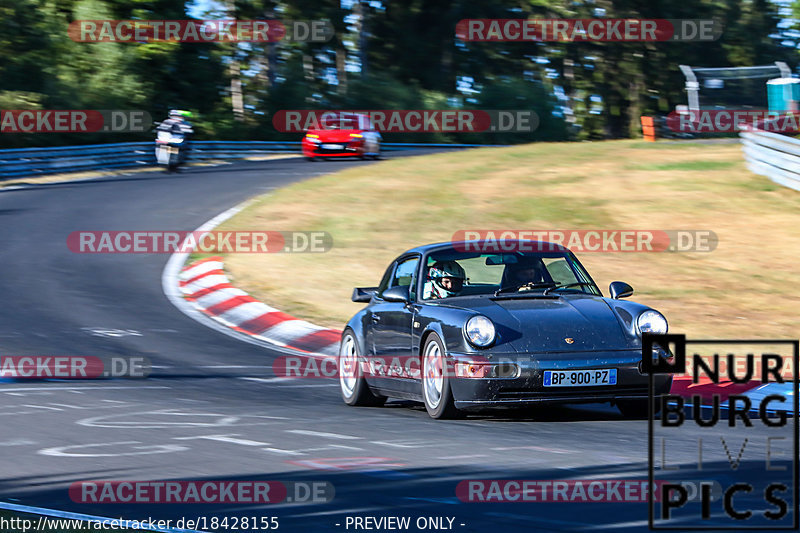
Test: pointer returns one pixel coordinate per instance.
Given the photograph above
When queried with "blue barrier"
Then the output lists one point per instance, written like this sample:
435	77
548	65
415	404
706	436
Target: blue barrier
22	162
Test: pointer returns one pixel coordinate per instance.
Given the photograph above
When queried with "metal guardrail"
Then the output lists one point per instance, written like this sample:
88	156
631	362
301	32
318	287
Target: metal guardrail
52	160
772	155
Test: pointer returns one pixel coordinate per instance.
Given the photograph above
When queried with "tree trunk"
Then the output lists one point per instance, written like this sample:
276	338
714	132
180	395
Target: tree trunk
361	26
237	102
341	73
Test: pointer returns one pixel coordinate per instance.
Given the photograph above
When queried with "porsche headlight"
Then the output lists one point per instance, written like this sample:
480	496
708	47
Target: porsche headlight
479	331
652	322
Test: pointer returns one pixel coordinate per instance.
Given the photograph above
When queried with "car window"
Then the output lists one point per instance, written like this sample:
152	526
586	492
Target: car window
479	273
486	273
387	277
404	273
560	271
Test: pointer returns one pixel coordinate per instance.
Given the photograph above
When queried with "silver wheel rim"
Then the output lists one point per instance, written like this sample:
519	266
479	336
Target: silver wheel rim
433	378
348	359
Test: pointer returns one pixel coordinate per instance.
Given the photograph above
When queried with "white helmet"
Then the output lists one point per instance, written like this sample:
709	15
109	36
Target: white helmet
448	269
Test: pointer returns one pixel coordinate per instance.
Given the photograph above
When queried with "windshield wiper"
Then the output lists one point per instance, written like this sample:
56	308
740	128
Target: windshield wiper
529	285
566	286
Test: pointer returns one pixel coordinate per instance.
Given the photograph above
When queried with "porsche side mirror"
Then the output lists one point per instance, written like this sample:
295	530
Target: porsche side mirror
620	289
363	294
396	294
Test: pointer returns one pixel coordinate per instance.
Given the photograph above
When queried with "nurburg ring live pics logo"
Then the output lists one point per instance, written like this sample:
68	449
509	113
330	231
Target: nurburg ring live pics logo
723	453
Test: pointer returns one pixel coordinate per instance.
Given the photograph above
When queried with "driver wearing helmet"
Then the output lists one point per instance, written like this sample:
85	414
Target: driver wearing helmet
445	278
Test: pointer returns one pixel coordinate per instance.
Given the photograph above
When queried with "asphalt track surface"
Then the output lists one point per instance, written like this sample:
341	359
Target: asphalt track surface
213	410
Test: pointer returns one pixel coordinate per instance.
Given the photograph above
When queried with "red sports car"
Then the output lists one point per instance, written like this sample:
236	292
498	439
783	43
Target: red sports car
353	136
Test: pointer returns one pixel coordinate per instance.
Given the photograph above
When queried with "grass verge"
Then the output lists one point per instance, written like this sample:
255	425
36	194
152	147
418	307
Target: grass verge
746	287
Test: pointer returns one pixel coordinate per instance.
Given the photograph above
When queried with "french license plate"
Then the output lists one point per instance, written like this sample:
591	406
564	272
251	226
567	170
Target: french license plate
580	378
327	146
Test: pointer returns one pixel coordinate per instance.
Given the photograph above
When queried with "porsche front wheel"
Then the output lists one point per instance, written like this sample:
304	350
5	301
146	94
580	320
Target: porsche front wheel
355	390
436	380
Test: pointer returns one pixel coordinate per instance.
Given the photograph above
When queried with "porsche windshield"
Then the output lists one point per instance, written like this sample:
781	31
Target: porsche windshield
452	273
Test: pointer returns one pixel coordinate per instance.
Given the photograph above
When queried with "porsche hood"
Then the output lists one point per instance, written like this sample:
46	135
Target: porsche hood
565	324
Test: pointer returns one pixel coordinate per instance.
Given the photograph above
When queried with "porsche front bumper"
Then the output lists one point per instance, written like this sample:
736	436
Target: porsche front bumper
524	383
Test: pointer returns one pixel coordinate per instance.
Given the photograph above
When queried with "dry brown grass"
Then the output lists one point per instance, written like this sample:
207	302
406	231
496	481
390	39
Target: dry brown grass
748	286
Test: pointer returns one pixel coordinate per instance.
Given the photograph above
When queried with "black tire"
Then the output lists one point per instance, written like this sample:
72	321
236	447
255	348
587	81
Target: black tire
441	407
311	159
636	408
354	388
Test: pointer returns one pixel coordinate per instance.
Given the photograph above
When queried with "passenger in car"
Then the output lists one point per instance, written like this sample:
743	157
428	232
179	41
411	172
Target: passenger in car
523	273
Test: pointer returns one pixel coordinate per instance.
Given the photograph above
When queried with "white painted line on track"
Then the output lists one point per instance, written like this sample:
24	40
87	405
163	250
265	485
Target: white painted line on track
5	390
146	449
17	442
322	434
41	407
474	456
402	444
230	439
283	452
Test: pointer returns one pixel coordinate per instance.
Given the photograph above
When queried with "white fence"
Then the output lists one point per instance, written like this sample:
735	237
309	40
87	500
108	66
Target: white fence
773	155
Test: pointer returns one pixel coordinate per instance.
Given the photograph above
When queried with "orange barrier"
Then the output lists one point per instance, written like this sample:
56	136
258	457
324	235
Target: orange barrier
648	129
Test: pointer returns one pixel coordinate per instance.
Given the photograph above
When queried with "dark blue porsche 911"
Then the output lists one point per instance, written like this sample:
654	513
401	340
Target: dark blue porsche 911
461	328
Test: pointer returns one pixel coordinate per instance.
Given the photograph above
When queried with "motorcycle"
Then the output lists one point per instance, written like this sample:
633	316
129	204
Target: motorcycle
168	149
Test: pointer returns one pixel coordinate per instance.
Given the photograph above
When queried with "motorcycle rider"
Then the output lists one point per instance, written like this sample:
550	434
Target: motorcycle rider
176	123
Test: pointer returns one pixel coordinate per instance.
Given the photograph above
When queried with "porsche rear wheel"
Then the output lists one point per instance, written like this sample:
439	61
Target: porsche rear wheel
436	380
355	390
